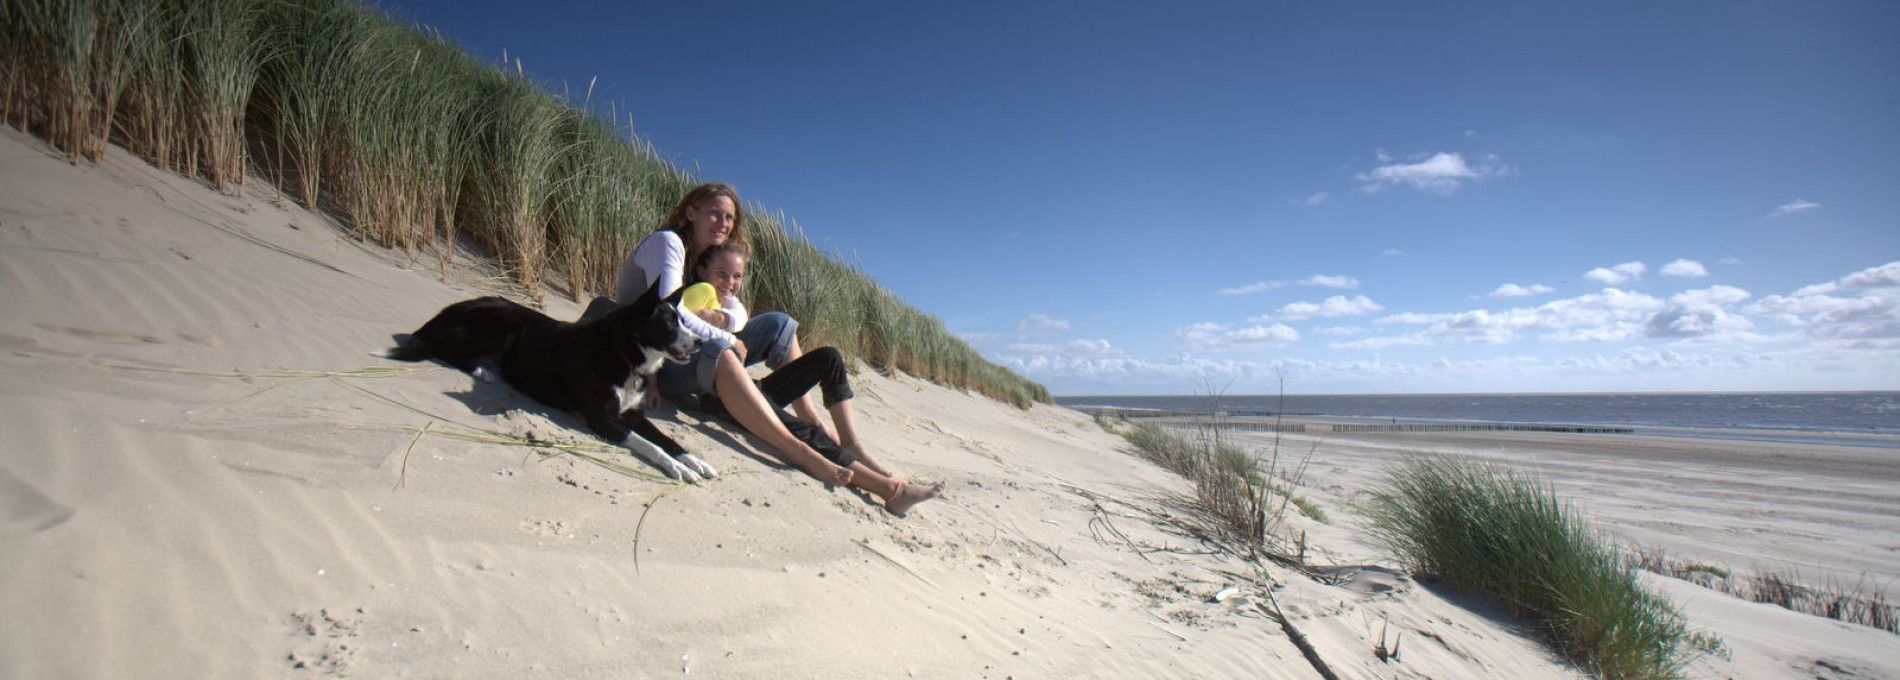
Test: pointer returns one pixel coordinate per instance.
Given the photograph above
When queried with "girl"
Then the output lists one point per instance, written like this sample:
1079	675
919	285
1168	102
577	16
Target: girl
721	271
708	216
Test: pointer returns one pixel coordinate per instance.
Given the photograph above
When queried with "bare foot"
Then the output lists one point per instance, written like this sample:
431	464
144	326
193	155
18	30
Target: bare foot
909	495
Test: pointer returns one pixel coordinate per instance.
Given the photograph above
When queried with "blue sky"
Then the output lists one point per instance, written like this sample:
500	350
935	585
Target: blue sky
1162	198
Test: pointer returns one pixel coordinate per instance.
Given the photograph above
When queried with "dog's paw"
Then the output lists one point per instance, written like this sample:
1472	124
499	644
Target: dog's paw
697	465
683	473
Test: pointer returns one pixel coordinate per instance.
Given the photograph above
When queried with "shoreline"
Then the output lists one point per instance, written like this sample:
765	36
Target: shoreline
1766	434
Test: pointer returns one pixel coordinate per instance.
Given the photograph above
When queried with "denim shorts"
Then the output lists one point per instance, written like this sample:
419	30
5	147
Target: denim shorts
768	337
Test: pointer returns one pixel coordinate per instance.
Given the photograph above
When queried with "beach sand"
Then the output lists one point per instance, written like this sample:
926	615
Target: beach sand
207	475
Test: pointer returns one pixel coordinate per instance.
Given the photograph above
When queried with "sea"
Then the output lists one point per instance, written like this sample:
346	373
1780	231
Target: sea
1867	418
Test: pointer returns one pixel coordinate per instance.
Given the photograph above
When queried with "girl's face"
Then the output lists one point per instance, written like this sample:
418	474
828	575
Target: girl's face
712	222
726	273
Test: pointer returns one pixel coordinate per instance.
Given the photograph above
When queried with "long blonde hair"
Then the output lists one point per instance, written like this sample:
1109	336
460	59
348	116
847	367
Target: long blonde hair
677	222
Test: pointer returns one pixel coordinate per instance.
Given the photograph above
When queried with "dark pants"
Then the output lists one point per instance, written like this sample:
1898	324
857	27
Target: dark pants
822	368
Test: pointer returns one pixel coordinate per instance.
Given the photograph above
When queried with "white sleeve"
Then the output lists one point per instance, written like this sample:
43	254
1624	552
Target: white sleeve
735	313
663	257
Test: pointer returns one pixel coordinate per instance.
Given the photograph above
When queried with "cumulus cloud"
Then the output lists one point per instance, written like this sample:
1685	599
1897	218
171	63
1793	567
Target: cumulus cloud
1335	306
1697	313
1628	272
1864	305
1383	342
1211	336
1251	288
1042	324
1688	269
1791	207
1615	332
1440	173
1337	330
1319	280
1512	290
1610	315
1883	276
1325	281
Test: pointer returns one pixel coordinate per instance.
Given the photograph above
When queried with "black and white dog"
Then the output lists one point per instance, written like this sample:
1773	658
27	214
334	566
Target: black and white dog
601	368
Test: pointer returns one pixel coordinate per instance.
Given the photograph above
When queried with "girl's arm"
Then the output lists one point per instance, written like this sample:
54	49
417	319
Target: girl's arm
735	313
663	257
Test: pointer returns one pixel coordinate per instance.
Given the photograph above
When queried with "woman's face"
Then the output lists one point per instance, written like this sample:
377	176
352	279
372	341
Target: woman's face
726	273
712	221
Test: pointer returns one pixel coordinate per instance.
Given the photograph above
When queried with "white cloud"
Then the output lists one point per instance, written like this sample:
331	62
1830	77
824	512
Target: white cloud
1688	269
1615	332
1314	199
1324	281
1883	276
1792	207
1335	306
1383	342
1413	318
1864	305
1512	290
1218	337
1337	330
1609	315
1698	313
1320	280
1441	173
1393	252
1251	288
1618	275
1042	324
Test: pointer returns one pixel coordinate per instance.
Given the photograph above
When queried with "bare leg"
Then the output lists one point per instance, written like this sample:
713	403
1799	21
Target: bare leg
804	406
841	416
899	496
742	399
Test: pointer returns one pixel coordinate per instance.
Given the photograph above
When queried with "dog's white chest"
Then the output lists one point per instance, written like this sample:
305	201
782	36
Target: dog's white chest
634	392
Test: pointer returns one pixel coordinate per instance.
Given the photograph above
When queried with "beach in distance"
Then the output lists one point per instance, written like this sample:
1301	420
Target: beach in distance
208	475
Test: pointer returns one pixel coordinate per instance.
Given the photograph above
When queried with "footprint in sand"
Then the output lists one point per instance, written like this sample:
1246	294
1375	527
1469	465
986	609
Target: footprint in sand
323	641
545	527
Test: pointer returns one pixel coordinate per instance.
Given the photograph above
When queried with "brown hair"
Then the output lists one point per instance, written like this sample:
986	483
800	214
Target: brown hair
699	196
706	256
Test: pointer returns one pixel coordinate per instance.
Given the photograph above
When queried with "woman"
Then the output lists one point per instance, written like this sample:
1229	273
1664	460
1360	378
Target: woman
711	215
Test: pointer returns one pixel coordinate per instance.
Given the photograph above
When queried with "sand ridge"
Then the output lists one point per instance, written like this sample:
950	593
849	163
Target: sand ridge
207	475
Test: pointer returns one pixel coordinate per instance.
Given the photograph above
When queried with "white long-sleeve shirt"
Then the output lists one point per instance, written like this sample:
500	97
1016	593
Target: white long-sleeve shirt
662	257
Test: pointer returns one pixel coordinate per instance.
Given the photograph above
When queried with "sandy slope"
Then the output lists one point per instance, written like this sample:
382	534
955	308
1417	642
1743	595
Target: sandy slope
169	507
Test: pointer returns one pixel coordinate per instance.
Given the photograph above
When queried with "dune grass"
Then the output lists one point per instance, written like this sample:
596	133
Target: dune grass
1498	534
412	143
1863	603
1230	487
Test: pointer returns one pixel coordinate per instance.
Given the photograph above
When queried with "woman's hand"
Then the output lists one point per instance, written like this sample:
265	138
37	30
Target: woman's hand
738	349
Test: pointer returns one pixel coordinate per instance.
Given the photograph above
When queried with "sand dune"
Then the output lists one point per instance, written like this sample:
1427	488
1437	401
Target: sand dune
206	475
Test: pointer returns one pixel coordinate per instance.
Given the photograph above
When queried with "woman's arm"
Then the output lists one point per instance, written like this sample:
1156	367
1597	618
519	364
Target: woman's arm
662	257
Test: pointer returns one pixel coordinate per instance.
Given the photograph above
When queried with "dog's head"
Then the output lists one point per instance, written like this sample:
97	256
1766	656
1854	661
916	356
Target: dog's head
652	324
